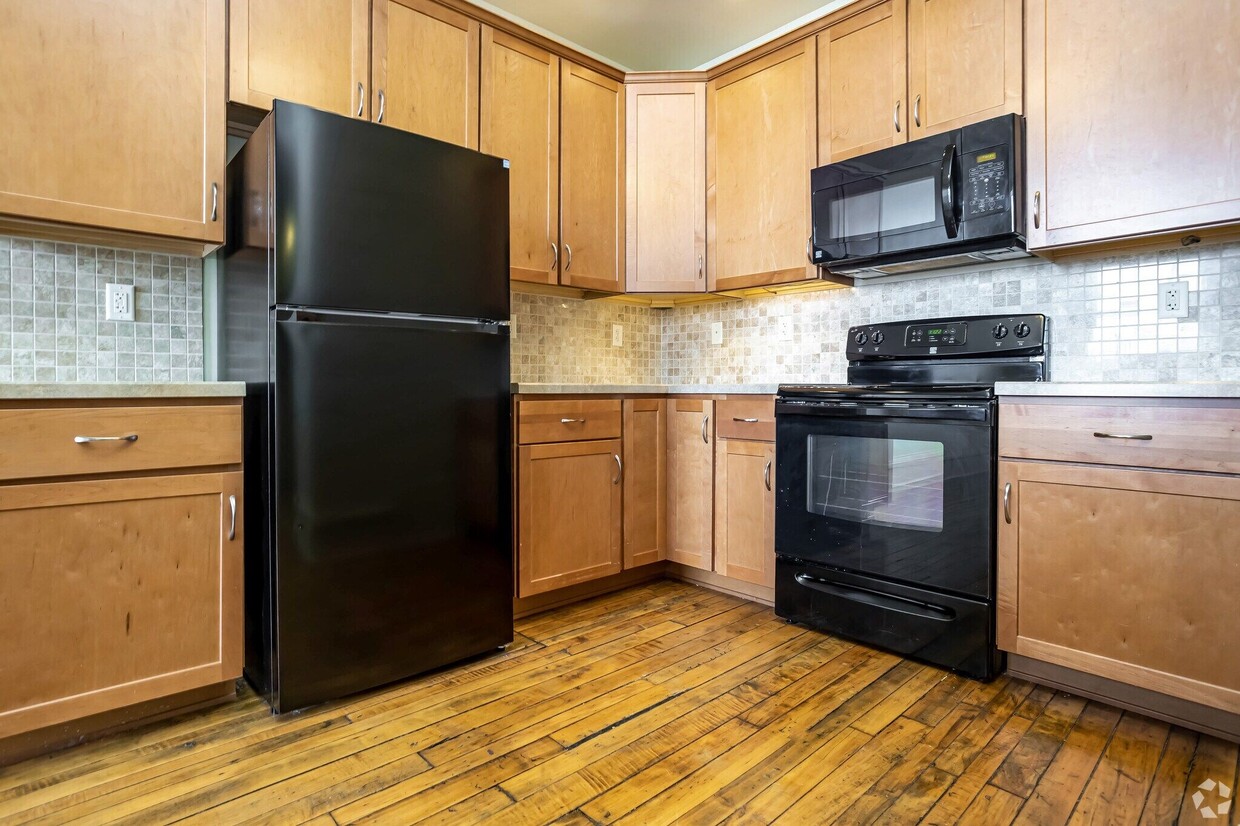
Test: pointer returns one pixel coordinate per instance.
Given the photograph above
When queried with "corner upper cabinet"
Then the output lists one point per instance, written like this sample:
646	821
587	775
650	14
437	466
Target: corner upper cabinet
761	143
114	116
520	121
591	180
312	53
862	83
1132	115
665	156
425	70
964	63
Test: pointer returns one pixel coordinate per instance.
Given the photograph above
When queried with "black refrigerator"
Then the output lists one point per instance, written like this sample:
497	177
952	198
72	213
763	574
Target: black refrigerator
363	295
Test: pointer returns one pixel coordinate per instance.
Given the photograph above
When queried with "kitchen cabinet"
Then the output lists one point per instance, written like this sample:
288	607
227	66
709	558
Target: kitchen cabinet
745	511
690	482
425	70
645	481
665	156
1132	112
114	116
312	53
761	143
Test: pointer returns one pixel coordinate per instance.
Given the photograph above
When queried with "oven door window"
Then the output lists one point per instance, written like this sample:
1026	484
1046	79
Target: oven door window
894	483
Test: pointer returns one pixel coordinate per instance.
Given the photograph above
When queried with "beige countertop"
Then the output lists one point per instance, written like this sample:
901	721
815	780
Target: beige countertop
121	390
531	388
1155	390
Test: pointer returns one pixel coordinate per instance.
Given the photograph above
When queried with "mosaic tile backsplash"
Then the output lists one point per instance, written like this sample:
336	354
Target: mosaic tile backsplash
52	325
1103	311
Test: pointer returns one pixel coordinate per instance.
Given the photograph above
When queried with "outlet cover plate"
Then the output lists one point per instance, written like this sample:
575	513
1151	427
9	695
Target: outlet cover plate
1173	299
716	332
118	302
617	335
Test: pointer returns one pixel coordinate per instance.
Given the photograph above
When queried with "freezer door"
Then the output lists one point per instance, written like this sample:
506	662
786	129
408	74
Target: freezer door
392	500
373	218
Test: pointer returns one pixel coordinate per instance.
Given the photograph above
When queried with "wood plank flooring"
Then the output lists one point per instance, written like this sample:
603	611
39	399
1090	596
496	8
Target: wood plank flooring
661	704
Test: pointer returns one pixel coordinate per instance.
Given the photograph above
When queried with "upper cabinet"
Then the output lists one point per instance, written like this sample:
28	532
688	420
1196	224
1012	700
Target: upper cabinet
114	115
312	53
665	155
1133	111
425	70
761	143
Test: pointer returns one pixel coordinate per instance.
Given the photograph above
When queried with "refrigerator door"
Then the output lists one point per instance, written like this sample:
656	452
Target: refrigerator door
392	500
369	217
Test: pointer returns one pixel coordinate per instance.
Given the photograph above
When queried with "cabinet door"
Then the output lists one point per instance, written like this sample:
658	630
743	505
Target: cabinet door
591	180
761	143
862	83
312	53
645	481
1123	574
690	482
425	66
964	62
568	503
116	592
114	115
520	121
1132	112
666	192
745	511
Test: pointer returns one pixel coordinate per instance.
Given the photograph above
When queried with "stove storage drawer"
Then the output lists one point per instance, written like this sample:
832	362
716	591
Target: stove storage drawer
567	420
1176	435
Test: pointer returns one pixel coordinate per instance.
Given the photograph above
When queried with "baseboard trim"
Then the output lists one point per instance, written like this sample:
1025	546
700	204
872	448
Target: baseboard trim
723	584
536	604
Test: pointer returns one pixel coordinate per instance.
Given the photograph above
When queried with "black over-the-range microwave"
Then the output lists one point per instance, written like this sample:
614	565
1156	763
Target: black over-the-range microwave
942	201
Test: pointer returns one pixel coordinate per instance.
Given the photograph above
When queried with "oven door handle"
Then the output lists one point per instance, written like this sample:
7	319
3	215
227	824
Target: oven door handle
967	414
888	602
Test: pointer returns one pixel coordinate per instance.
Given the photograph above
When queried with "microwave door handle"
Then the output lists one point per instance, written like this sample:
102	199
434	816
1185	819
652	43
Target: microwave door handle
947	190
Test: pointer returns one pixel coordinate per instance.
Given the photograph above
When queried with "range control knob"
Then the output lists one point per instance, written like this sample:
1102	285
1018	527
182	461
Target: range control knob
878	337
999	331
861	337
1021	330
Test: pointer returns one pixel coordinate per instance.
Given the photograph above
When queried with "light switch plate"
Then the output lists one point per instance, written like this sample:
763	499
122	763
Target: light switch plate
716	332
617	335
118	302
1173	299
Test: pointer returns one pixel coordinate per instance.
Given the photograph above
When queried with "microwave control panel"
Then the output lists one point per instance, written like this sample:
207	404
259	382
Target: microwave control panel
971	336
986	185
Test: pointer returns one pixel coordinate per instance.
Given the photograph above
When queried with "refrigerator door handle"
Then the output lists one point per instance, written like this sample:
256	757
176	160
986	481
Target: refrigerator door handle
302	315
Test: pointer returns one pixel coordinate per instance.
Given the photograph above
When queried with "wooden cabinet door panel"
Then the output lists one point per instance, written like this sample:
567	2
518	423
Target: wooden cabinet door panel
312	53
116	592
1132	112
114	115
591	180
520	121
645	481
690	482
964	62
569	499
761	143
425	63
666	192
745	511
862	83
1122	574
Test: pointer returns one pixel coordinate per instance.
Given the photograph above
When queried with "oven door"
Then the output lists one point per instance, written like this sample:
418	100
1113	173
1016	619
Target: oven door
898	492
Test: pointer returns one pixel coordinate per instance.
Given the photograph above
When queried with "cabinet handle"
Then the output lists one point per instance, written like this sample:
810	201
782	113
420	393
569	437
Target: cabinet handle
572	421
747	421
701	264
1037	210
361	98
568	251
1007	503
232	522
619	468
1143	437
83	440
895	118
555	255
917	111
809	249
382	107
705	421
766	474
215	201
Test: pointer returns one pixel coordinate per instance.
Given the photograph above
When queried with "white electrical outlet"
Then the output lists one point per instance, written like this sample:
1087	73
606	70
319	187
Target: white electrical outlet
716	332
785	329
617	335
118	302
1173	299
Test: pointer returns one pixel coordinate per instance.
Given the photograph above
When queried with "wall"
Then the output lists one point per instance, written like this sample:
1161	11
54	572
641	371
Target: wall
564	340
51	314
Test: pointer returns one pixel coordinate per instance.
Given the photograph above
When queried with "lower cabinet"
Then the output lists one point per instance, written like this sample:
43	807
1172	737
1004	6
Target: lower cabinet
645	481
745	511
690	472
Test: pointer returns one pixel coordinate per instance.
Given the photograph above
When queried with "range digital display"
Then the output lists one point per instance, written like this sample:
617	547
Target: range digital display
936	335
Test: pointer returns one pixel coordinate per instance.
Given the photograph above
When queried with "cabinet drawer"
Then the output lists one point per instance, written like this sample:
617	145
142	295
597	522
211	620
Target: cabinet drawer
1179	438
567	420
41	442
736	419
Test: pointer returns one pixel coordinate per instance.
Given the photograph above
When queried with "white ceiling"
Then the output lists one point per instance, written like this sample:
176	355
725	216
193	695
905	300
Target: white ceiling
648	35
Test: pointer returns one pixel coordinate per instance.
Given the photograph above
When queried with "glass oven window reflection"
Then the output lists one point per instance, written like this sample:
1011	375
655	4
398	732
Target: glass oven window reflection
894	483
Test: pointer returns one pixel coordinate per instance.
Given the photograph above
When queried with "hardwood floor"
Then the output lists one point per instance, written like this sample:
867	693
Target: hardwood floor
663	703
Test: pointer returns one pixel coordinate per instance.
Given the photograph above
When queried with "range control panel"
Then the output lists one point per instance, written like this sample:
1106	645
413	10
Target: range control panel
969	336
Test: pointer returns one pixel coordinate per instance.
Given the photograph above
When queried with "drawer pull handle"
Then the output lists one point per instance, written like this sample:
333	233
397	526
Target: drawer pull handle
84	440
619	468
766	474
572	421
1142	437
1007	503
232	523
746	421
